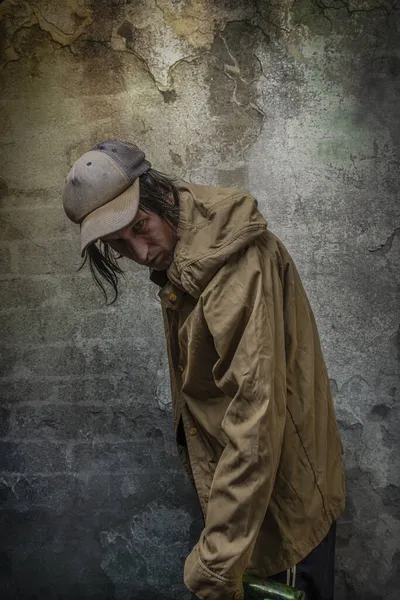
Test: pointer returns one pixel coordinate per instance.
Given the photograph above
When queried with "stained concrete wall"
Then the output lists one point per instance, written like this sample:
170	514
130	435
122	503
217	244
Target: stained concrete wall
296	102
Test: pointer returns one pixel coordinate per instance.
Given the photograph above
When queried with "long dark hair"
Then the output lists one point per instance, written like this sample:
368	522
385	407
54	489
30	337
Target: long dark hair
155	189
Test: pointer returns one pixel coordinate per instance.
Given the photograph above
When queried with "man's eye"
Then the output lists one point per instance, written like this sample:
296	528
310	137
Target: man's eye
138	226
115	244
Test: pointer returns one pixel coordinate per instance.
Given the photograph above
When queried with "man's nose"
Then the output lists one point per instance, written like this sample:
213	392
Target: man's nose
138	249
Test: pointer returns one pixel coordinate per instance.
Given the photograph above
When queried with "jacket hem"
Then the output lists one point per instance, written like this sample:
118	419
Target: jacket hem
287	559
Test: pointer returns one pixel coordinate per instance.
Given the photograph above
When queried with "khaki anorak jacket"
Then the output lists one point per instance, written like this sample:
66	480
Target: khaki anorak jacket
250	392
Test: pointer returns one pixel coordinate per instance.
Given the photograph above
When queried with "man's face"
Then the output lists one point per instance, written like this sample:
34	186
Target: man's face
148	240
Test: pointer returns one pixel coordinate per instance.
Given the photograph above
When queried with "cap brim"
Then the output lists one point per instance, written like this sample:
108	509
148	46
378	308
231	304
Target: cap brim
111	217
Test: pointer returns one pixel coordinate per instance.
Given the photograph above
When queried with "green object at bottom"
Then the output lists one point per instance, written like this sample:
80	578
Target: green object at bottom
267	589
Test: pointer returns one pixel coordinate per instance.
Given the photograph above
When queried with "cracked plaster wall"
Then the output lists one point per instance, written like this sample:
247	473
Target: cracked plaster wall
296	102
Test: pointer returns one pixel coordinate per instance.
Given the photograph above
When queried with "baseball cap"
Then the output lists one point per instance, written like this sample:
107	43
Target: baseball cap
102	189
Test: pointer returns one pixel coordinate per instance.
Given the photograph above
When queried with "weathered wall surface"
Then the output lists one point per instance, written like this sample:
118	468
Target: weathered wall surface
298	102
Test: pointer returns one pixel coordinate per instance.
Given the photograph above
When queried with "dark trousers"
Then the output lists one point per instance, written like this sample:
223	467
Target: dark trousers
315	574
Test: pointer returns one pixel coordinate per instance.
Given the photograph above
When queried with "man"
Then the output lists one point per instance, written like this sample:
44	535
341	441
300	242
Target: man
253	414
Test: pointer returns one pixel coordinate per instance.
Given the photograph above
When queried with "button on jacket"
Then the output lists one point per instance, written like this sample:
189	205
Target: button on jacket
253	412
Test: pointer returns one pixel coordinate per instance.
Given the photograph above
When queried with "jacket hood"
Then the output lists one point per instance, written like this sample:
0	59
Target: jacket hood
214	223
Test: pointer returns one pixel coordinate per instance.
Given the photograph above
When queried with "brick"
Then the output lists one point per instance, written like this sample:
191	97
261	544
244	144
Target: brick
79	291
3	188
106	323
105	492
134	490
131	357
27	293
5	259
47	256
113	389
80	391
31	457
27	391
8	359
4	421
124	358
33	223
69	422
60	422
42	361
14	198
58	493
129	423
24	326
112	323
9	229
115	458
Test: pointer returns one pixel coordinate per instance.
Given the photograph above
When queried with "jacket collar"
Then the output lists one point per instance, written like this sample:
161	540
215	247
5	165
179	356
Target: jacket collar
214	223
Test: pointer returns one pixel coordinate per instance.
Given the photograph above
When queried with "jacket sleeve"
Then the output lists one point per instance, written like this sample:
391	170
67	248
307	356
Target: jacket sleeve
243	309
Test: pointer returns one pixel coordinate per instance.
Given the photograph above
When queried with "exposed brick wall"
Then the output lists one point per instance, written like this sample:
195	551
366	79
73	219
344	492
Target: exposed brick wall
84	445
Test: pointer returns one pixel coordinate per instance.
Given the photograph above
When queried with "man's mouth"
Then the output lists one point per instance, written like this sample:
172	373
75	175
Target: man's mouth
154	261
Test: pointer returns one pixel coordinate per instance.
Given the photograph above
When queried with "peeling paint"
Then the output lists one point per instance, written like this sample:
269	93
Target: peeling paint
385	248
